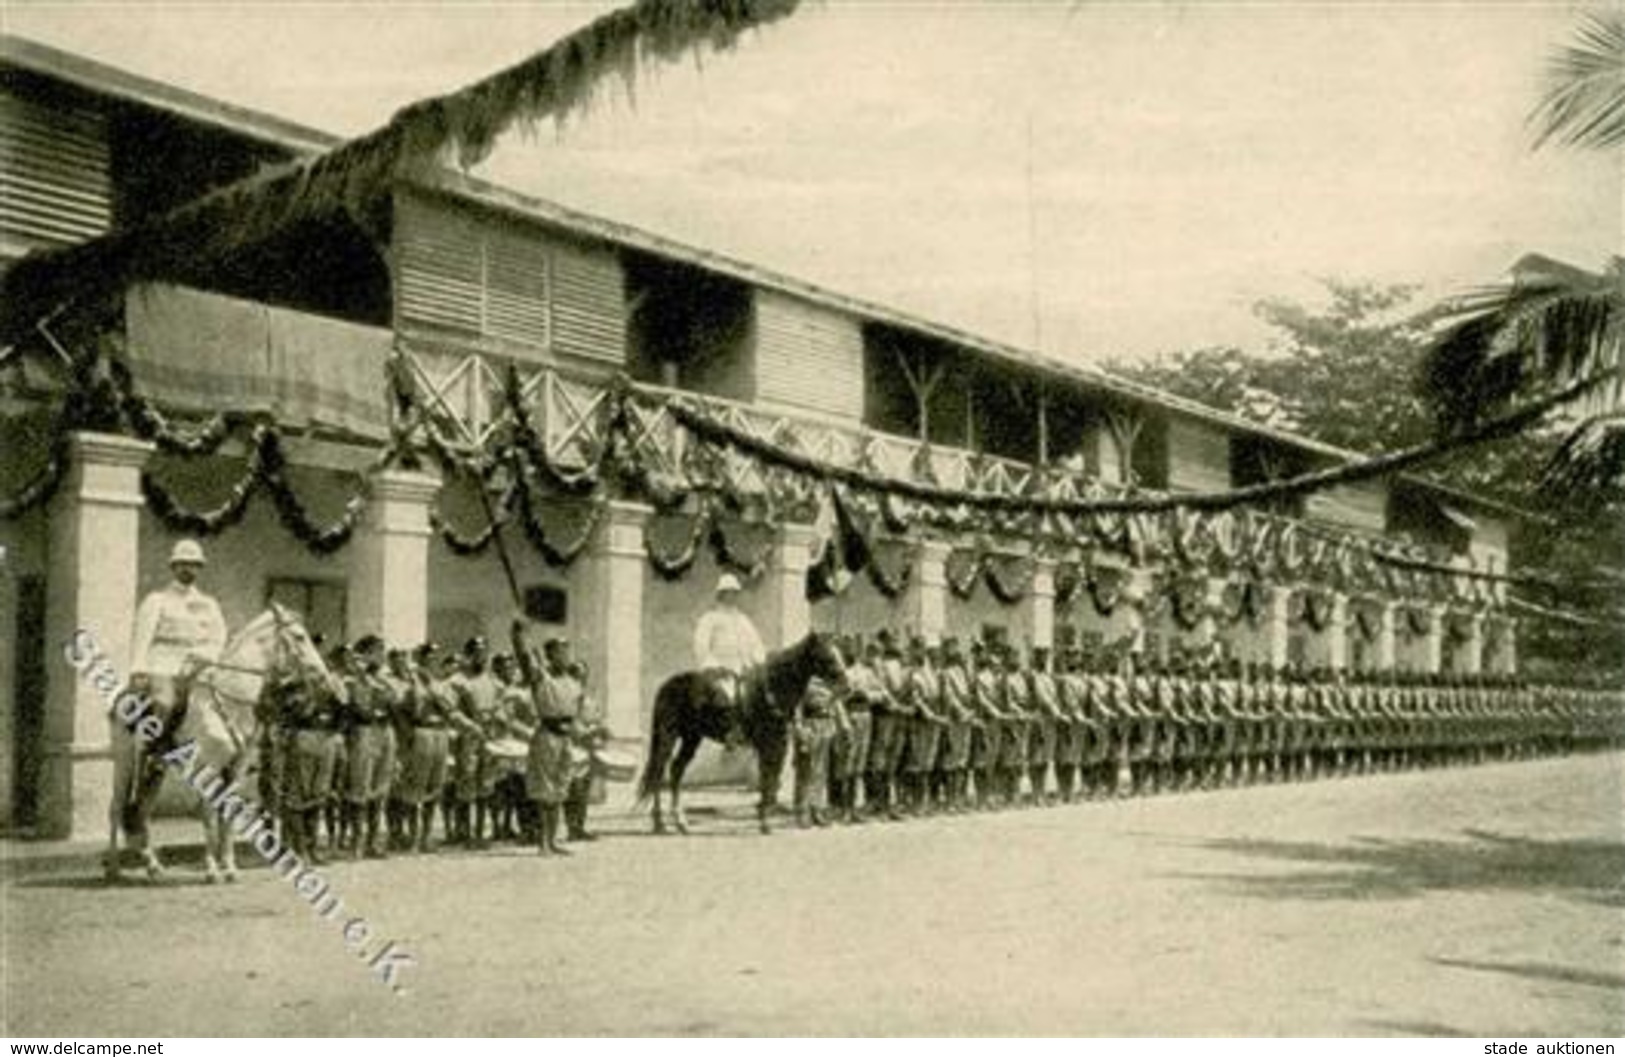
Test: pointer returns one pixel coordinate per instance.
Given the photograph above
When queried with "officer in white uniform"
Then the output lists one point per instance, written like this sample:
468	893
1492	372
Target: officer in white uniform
172	624
726	646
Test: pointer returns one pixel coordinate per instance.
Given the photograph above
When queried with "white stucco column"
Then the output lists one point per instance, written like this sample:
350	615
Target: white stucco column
1043	603
790	612
612	634
1387	657
93	566
1433	640
1337	634
1472	651
1276	621
388	590
927	596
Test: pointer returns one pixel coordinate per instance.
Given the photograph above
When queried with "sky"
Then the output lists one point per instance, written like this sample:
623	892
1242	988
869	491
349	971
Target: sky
1103	180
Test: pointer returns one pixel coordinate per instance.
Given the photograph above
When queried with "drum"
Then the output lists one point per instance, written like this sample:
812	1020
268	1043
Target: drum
614	766
507	749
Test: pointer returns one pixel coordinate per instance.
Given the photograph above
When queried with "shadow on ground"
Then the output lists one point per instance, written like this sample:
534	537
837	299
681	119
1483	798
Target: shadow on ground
1592	871
1543	972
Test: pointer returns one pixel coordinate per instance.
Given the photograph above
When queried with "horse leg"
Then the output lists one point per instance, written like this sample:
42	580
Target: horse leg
123	751
770	771
685	755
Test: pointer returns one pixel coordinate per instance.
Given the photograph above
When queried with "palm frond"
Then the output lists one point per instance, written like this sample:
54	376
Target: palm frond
1584	104
462	126
1589	466
1511	342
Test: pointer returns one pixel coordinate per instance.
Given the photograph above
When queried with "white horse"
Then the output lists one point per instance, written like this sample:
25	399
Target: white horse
221	732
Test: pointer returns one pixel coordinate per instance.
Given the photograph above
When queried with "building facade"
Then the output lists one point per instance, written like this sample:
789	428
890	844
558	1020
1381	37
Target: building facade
343	404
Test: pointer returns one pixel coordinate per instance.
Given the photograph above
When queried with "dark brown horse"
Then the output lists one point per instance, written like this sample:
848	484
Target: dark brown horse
687	711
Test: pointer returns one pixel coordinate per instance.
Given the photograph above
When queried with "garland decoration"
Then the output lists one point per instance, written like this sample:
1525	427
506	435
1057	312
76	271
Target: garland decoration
742	546
557	516
1367	621
319	539
223	515
1189	598
149	423
579	481
672	540
1314	608
1417	622
1069	576
963	569
1009	577
1242	600
891	566
1107	585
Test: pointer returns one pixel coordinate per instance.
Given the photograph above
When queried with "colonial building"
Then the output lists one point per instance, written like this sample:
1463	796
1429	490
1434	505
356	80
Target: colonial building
341	398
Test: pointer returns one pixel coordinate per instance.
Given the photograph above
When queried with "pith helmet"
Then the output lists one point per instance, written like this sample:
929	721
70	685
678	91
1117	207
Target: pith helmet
728	582
187	552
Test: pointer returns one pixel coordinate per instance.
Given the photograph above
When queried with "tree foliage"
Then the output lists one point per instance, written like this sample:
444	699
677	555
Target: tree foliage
1348	373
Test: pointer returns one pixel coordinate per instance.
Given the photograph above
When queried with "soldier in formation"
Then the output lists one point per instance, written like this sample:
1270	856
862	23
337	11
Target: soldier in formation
926	728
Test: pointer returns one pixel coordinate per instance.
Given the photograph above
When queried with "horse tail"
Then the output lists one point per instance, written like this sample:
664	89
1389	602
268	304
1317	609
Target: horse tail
660	746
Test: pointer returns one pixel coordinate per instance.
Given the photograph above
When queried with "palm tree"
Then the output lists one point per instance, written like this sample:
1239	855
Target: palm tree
1554	324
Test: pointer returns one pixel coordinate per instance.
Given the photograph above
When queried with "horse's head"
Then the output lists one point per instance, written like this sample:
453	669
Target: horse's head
293	649
824	658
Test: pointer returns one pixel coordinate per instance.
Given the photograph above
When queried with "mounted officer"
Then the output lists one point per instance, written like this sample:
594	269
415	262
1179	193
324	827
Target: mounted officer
727	649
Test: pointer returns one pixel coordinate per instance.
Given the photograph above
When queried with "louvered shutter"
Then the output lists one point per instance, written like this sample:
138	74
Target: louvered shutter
440	268
54	183
516	287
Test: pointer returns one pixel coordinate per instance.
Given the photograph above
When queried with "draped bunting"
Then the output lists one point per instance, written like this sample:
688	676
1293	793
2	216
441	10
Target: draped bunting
1009	577
1367	621
1106	588
673	540
1197	540
962	569
1313	608
1417	622
891	565
1189	598
740	545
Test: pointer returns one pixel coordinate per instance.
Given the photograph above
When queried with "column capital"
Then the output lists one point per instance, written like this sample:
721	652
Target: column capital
622	530
621	512
406	486
933	550
110	449
797	533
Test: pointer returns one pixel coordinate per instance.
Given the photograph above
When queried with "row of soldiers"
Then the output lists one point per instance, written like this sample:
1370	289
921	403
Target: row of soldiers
925	727
498	743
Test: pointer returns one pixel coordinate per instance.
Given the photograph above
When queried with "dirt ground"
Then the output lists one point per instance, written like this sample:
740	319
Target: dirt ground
1481	901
